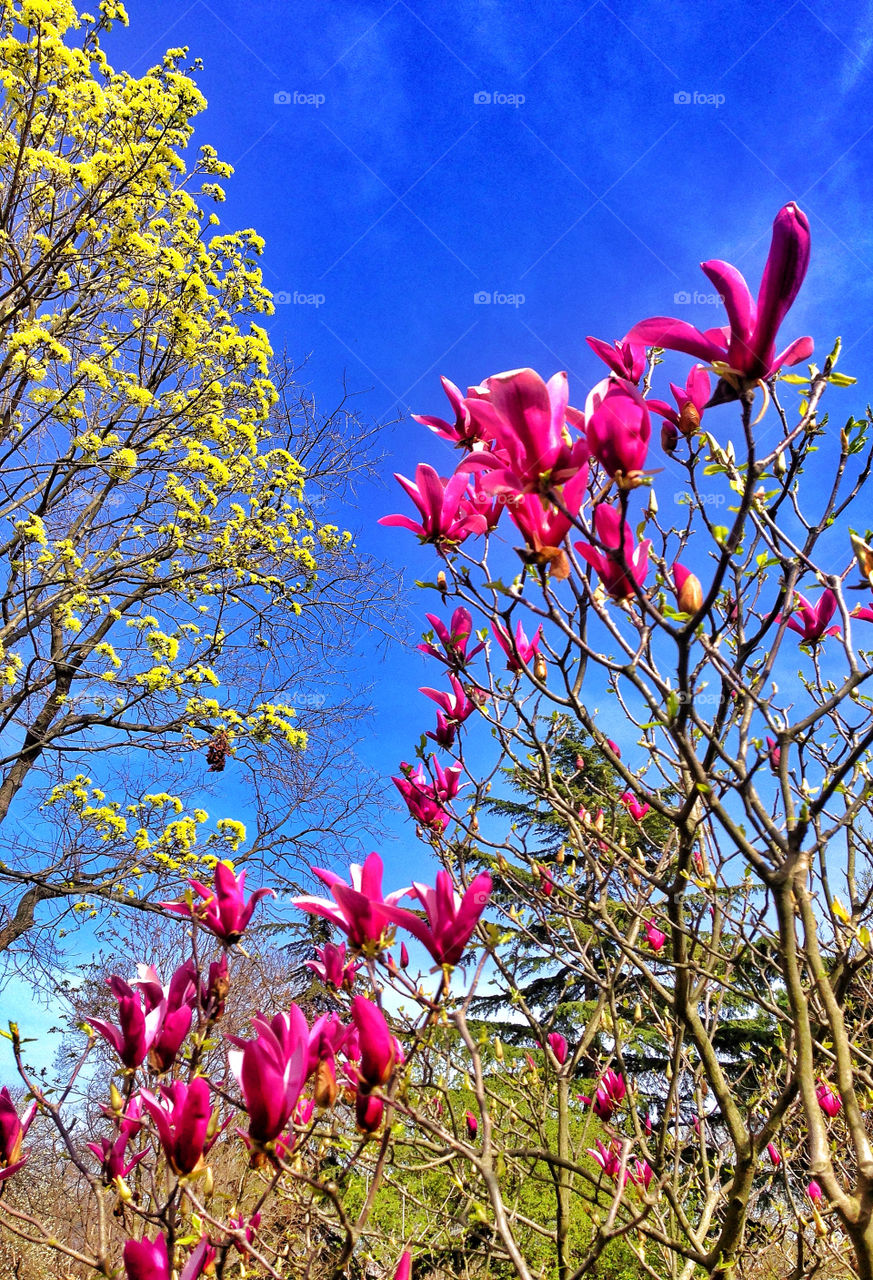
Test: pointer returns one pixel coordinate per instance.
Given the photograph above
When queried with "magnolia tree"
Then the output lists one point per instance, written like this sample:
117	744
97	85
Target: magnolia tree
712	891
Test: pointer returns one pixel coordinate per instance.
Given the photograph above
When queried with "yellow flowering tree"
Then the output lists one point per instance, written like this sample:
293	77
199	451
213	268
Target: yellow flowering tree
156	547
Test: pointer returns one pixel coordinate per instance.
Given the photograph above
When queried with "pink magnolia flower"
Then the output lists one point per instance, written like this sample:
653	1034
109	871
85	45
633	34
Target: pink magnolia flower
404	1267
286	1143
518	650
472	1125
112	1155
181	1116
609	1159
748	346
527	417
455	708
863	612
378	1048
621	567
12	1134
177	1000
811	621
690	400
774	753
379	1052
330	965
369	1110
464	431
271	1071
814	1191
426	799
454	639
774	1155
618	428
139	1024
418	793
358	908
544	526
129	1122
558	1046
636	808
609	1095
148	1260
213	992
244	1228
489	505
451	920
448	514
626	359
830	1102
654	936
641	1174
223	909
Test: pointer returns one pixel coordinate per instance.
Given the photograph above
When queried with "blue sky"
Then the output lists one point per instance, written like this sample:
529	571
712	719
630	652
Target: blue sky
578	159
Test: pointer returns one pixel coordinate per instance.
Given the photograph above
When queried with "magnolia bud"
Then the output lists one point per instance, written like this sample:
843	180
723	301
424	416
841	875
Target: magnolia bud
690	596
864	556
689	593
669	437
540	669
441	582
325	1086
498	1049
212	1127
115	1099
559	856
689	419
779	464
